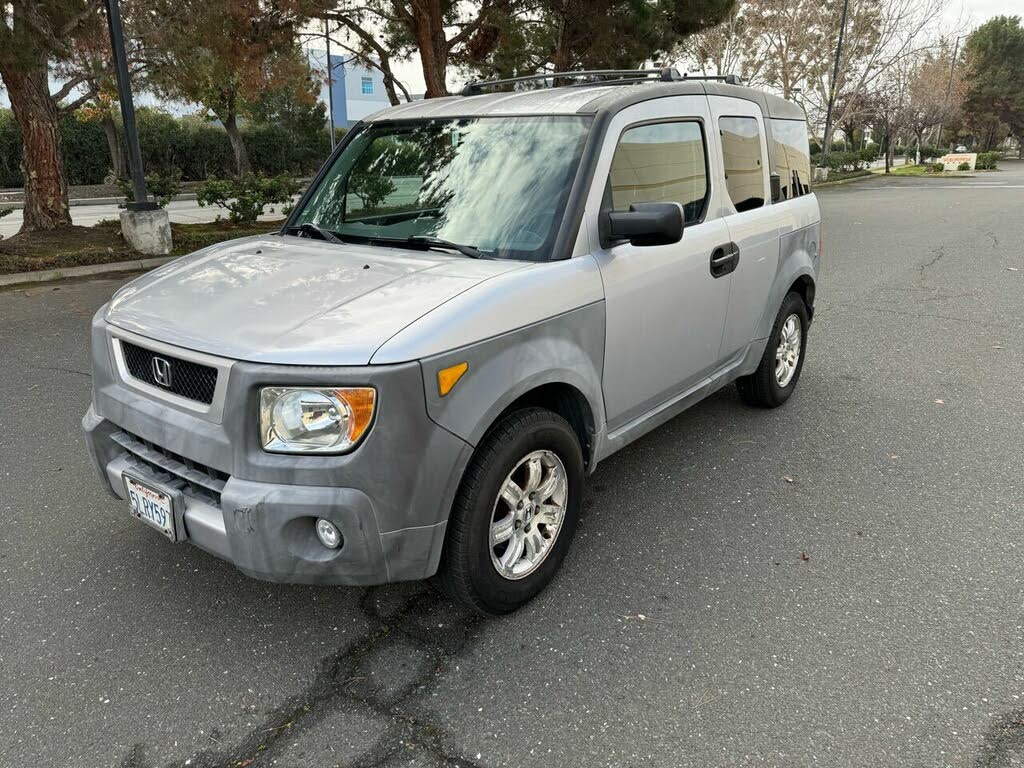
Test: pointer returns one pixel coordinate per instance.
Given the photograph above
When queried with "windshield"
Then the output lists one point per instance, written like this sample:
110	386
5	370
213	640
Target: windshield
497	184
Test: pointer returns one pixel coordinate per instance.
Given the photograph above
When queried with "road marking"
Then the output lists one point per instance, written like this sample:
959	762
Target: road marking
897	187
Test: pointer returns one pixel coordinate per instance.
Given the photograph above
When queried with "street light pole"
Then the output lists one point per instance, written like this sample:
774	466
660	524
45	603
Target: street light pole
826	139
141	201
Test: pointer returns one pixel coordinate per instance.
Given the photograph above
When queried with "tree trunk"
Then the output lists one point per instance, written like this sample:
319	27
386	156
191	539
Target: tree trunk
428	23
117	162
46	186
237	145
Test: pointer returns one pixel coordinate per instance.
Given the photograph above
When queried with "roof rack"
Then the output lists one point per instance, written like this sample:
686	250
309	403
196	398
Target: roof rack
663	74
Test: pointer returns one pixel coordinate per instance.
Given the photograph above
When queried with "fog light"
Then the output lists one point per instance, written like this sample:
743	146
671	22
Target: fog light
328	533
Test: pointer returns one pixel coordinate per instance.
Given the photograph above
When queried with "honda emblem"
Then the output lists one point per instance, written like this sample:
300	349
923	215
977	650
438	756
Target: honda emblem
161	372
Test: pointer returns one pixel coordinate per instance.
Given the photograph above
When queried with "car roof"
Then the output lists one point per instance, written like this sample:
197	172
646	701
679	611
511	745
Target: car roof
584	99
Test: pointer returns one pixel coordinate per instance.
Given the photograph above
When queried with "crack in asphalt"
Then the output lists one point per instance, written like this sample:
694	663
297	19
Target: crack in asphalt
335	687
937	254
1003	745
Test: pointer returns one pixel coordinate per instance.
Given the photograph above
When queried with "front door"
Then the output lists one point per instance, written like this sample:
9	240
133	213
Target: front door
666	311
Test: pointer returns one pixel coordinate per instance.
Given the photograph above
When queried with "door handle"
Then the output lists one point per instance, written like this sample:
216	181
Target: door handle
724	259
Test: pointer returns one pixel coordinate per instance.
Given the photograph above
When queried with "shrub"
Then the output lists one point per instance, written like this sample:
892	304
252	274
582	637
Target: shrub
869	153
192	145
964	167
988	161
162	186
247	197
935	168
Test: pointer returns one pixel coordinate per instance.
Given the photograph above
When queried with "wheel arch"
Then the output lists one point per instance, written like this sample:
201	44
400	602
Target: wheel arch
804	285
568	402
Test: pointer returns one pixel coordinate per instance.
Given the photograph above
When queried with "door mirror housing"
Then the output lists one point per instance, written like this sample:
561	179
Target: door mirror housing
643	224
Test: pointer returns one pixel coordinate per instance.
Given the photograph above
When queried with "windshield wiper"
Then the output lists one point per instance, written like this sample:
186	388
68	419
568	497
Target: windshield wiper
433	242
324	234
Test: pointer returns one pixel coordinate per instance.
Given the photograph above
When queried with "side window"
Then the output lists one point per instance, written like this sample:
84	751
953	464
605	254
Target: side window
741	150
661	163
792	157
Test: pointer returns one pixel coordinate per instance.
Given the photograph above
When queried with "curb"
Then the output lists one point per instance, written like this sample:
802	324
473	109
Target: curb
19	204
839	183
49	275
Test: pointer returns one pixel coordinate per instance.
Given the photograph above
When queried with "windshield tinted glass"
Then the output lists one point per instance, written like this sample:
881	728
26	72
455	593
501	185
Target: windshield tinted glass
497	184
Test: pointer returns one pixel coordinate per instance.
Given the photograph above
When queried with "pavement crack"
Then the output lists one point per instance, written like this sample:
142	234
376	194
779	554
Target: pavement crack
1003	745
937	254
426	622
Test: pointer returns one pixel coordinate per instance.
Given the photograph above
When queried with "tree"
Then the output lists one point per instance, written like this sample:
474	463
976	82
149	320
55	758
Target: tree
32	34
354	35
936	94
443	32
90	64
995	99
889	106
224	56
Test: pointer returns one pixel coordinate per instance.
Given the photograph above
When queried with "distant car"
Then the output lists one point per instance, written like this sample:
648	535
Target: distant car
478	299
961	148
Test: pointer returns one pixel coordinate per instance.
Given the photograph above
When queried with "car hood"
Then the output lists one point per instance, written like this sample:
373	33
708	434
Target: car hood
292	300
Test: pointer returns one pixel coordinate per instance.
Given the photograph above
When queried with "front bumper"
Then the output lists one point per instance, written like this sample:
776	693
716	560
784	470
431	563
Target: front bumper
390	497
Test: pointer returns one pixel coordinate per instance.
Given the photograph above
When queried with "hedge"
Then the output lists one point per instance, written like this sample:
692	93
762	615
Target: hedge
199	149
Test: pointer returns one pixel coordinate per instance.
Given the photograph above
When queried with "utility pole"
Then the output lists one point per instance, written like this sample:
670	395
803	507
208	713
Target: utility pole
949	88
330	81
826	139
141	201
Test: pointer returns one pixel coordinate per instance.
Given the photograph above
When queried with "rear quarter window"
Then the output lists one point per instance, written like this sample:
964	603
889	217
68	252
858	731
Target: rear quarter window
792	157
741	152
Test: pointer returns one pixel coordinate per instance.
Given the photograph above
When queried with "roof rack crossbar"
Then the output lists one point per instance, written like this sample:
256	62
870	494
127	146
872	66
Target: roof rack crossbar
727	79
664	73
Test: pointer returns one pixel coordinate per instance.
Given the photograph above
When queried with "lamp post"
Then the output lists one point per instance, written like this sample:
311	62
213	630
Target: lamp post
827	139
141	201
144	224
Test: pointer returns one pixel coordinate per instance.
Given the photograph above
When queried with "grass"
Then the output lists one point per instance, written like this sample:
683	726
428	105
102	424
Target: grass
103	244
922	170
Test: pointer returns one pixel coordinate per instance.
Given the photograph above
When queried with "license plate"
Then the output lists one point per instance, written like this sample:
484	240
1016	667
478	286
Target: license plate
151	506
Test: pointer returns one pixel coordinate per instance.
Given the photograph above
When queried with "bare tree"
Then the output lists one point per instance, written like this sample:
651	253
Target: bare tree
889	105
937	94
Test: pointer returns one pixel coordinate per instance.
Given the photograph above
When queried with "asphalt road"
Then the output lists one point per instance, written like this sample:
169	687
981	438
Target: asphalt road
836	583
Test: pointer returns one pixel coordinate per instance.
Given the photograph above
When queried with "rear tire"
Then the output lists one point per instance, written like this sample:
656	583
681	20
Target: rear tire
783	359
515	512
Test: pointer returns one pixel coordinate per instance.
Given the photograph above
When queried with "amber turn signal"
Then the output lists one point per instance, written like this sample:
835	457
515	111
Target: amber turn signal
449	377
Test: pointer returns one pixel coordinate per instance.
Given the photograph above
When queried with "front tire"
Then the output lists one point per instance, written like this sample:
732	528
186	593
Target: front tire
515	513
783	360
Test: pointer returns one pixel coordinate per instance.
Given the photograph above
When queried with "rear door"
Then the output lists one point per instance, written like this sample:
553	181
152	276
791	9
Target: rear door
665	310
754	224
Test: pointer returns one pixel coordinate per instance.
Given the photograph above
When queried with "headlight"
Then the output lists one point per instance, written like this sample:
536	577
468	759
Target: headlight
314	420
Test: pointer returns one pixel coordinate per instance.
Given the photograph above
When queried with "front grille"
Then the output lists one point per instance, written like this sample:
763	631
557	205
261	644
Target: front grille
192	381
189	477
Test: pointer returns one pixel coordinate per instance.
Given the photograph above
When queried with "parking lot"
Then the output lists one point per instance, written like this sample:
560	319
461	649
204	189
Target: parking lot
838	582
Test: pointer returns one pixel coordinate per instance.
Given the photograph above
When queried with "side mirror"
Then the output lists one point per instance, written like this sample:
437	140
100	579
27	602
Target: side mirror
643	224
776	183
